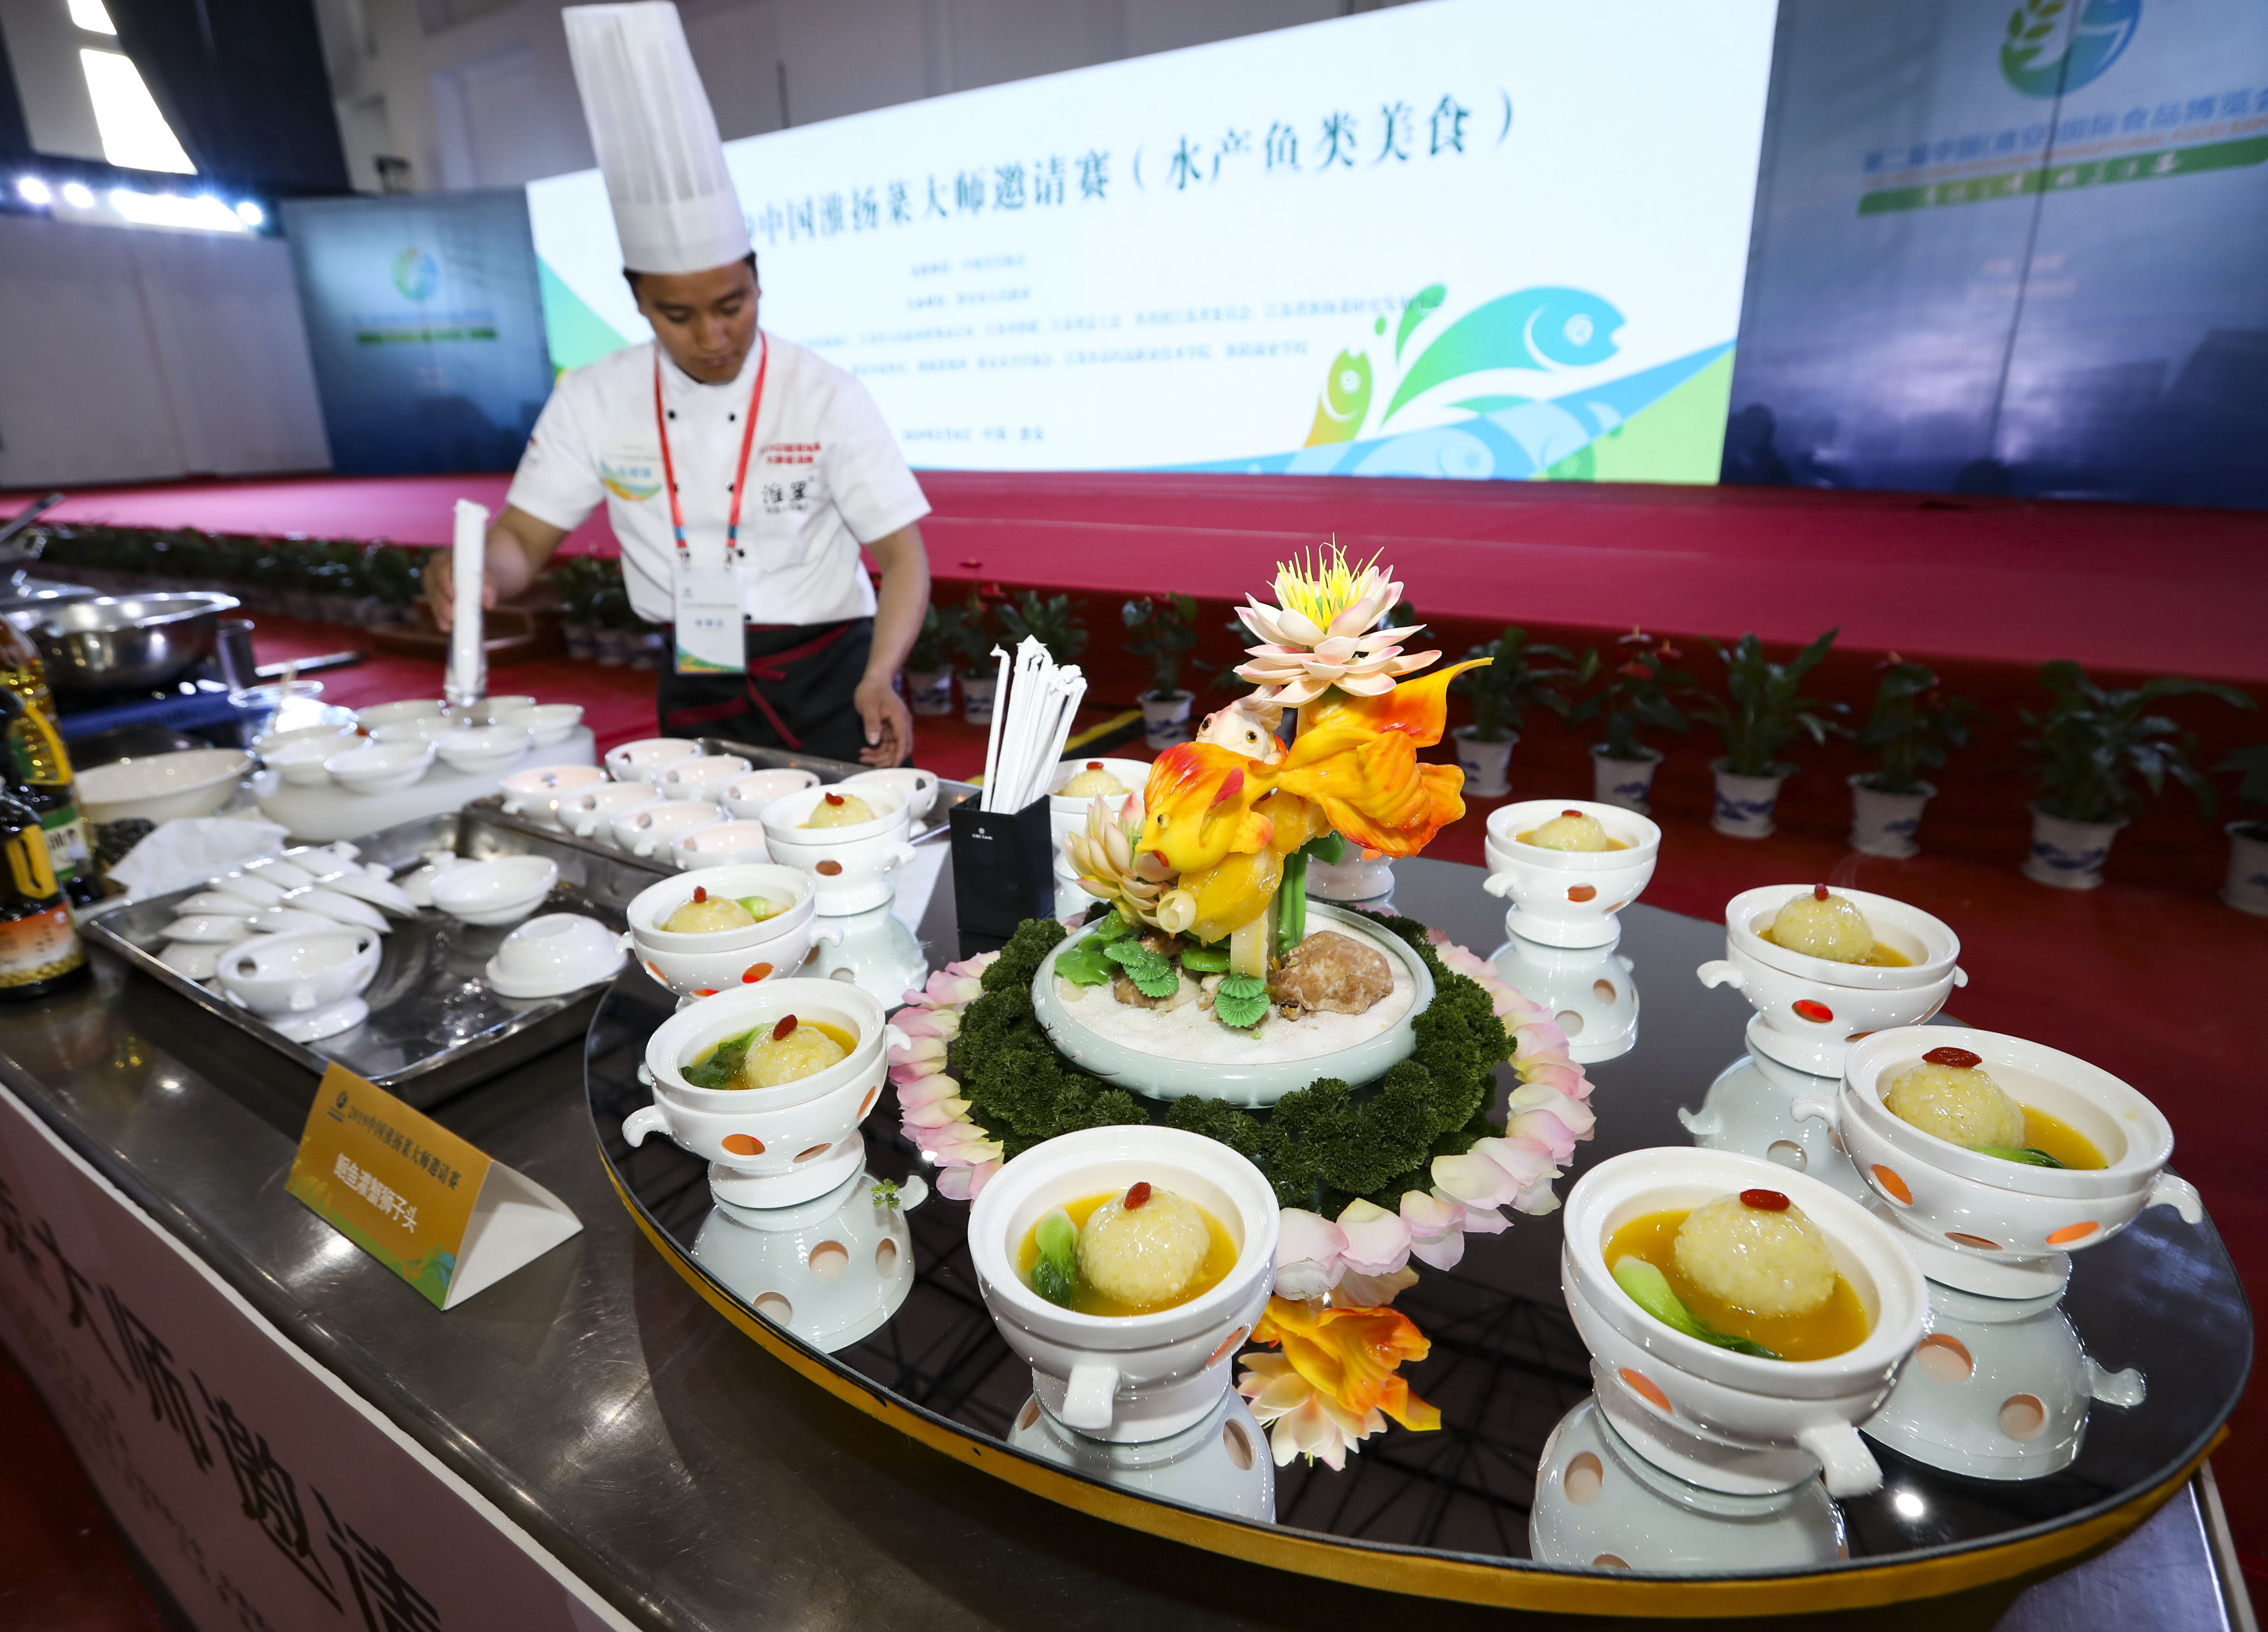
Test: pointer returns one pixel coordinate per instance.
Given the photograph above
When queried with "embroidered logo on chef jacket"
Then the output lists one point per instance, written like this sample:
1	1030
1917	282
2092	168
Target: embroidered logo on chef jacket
632	469
790	483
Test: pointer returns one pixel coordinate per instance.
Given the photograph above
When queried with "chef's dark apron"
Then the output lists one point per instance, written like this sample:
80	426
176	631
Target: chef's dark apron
796	695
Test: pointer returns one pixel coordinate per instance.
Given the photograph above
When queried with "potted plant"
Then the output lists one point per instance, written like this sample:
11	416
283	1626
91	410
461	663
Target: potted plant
1636	694
1160	631
1051	622
610	616
973	638
579	578
2092	744
928	662
1762	712
2247	889
1501	695
1913	726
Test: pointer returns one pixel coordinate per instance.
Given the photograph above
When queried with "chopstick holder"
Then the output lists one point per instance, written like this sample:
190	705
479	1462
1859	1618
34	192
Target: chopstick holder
1003	871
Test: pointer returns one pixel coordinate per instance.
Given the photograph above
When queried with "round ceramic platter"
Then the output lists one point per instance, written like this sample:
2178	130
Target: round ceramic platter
1446	1514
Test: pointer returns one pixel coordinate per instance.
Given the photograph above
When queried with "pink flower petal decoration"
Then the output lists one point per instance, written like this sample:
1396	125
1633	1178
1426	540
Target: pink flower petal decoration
1377	1241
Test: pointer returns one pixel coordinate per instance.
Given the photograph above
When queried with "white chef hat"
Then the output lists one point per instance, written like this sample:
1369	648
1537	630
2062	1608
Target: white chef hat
656	137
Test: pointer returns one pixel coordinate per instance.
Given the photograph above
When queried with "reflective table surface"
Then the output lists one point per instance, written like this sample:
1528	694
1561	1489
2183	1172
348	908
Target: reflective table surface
695	1482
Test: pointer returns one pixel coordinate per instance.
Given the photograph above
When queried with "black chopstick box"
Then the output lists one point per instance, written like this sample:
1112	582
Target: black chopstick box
1003	871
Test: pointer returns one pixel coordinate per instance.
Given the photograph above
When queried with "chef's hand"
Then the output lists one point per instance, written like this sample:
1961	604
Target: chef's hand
517	546
890	722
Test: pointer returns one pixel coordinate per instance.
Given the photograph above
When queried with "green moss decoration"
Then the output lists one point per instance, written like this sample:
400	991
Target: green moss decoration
1320	1146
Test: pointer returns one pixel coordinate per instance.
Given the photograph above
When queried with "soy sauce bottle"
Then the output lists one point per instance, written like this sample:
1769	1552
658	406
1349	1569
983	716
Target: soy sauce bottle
40	949
37	771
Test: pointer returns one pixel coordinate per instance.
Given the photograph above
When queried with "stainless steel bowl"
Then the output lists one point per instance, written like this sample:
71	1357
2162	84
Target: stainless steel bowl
127	643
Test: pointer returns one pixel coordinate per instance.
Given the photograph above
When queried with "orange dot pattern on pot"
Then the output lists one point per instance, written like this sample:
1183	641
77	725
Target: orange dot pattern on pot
1646	1389
2073	1233
1978	1241
743	1145
1893	1185
1582	892
1817	1013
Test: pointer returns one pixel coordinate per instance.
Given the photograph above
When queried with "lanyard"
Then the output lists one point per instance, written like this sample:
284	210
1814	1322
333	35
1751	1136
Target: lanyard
741	476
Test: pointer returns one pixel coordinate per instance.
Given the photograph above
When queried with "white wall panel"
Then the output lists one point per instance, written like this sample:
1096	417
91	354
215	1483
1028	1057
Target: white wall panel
138	356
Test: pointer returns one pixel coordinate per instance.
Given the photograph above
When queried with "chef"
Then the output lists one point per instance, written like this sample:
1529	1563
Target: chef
743	474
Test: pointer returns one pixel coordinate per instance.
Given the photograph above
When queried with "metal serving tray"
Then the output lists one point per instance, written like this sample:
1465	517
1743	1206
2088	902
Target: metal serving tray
435	1028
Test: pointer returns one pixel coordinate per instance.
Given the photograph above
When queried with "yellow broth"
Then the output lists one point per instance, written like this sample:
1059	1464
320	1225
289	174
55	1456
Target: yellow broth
1878	956
842	1039
1219	1258
1835	1328
2060	1139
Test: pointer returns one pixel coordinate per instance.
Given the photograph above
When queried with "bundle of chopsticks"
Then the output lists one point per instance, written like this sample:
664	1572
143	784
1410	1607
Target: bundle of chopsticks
1032	709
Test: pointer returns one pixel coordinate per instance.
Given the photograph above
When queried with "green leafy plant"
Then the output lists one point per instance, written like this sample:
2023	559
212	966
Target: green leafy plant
933	646
1160	631
1763	709
1502	693
1051	622
2251	765
1636	693
1912	725
2092	743
972	636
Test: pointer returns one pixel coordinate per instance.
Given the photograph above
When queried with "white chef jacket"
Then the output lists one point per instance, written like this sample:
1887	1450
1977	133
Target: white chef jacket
824	477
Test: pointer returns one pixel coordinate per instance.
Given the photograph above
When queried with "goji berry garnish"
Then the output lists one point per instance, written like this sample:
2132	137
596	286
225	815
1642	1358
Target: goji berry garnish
1571	812
1959	1057
835	799
699	893
1819	891
1094	765
1137	1195
1764	1201
786	1024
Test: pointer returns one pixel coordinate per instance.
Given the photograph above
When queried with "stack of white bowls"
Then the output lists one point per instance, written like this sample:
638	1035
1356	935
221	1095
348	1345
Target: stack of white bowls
849	866
697	965
1568	898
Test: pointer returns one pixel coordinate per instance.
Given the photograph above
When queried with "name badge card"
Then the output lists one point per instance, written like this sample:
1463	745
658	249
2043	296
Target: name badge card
709	622
445	1218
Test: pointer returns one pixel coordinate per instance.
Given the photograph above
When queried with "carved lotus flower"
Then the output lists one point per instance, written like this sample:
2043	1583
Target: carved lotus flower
1320	634
1110	868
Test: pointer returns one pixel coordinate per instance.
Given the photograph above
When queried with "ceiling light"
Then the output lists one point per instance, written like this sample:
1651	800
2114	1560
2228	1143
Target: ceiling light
90	16
78	196
32	190
250	214
170	210
135	134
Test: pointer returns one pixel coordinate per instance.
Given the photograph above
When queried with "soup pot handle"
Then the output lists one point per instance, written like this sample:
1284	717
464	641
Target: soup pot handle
900	855
1501	883
1851	1468
645	1120
830	933
1088	1394
1818	1107
2178	1194
1717	971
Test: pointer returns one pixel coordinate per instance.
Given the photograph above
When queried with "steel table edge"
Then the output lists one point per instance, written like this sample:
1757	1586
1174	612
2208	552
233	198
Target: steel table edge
305	1328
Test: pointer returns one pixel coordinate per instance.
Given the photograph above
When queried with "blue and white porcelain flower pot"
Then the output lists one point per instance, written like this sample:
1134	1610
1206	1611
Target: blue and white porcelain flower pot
1745	804
2069	855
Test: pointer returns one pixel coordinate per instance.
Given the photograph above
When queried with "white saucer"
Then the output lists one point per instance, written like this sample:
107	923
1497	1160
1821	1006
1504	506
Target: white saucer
342	1016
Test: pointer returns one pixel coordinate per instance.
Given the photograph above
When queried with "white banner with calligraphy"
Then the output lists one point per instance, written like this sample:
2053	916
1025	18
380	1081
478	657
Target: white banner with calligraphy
266	1494
1471	238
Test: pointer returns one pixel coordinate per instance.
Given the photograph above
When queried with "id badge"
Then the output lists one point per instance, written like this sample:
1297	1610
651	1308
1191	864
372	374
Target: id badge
709	622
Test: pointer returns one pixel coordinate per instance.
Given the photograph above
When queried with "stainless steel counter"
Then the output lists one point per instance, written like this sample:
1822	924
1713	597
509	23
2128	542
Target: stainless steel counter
688	1477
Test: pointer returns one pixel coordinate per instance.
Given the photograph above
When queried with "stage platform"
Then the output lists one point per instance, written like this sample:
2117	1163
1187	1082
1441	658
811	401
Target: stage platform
2127	589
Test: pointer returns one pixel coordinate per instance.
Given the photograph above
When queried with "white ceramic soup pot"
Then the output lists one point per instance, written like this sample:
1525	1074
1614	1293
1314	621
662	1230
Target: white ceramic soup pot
1135	1377
653	907
1067	813
701	777
849	867
1568	898
300	764
705	973
916	788
380	766
746	797
295	974
1726	1420
552	723
655	827
648	757
589	813
1810	1010
1986	1207
537	793
481	750
503	890
720	844
561	951
795	1140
